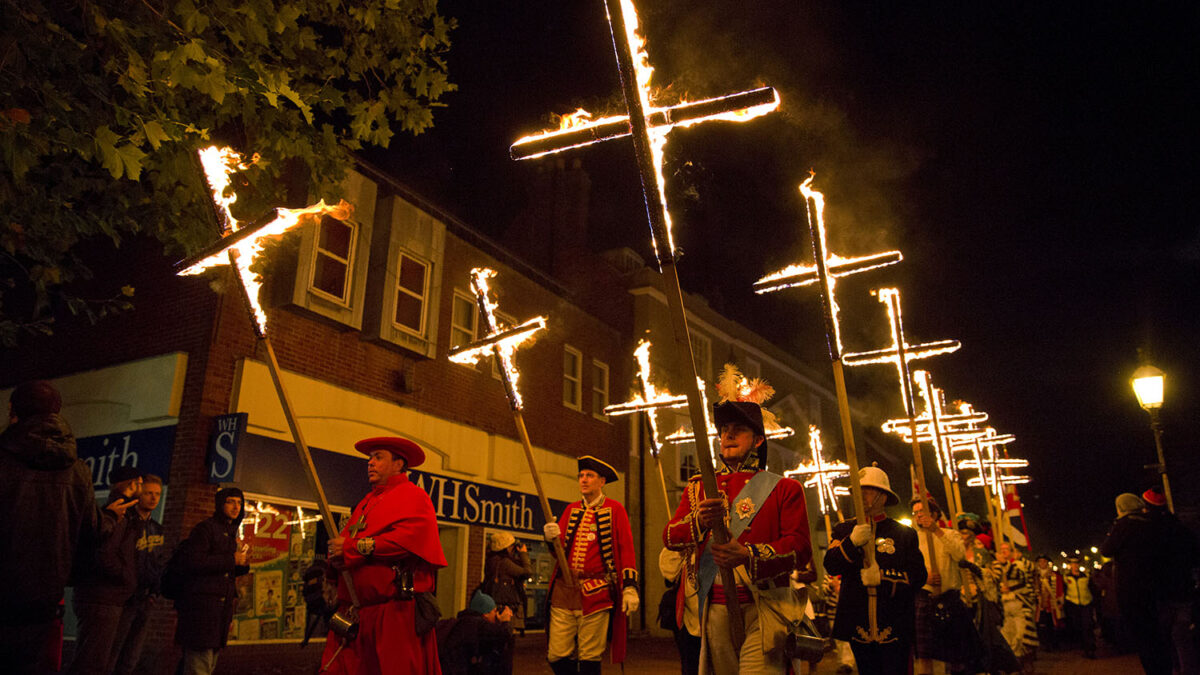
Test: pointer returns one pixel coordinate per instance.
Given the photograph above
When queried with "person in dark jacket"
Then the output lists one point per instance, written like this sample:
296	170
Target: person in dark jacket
504	573
106	584
212	560
1136	544
49	507
1179	588
478	640
150	561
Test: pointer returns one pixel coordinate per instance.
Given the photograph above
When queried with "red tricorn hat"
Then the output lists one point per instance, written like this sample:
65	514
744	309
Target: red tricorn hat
410	452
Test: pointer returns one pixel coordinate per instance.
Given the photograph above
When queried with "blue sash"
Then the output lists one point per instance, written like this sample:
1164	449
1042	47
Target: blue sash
757	489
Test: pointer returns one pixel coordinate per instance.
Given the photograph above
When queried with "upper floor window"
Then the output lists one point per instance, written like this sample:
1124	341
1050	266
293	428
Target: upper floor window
599	389
412	289
702	354
333	259
572	377
464	317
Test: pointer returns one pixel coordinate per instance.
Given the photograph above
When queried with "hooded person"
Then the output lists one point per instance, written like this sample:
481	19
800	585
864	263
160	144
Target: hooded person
598	543
211	559
50	514
768	523
391	550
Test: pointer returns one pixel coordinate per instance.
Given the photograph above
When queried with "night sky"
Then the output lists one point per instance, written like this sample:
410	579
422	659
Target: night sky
1035	162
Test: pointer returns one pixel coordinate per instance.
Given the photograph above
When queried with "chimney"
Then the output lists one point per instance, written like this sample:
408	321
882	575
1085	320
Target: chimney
551	231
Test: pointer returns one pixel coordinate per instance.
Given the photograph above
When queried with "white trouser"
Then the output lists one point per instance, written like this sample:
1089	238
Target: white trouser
751	660
575	636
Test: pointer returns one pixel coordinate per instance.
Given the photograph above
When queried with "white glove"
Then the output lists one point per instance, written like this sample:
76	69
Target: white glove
860	535
551	531
629	600
871	576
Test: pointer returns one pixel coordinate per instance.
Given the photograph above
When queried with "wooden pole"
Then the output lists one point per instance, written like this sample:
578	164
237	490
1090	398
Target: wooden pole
519	419
663	251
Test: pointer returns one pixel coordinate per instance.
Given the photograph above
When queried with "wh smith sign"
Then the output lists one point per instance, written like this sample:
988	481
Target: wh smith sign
478	504
147	449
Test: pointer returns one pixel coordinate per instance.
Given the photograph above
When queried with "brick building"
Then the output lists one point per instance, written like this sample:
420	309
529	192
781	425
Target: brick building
362	314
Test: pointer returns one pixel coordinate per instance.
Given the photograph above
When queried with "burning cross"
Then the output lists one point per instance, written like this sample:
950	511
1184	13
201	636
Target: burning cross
821	473
936	426
242	243
989	465
900	352
647	124
827	266
500	342
649	400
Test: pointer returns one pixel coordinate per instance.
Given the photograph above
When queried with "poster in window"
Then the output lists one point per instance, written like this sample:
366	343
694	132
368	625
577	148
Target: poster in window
282	541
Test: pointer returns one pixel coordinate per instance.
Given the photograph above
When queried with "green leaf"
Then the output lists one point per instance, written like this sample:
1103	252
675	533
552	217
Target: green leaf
155	134
106	145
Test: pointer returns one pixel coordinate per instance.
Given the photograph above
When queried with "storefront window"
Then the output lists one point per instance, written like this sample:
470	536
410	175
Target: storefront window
283	542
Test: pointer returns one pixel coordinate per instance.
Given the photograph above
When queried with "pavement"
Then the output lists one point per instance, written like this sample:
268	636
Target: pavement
652	655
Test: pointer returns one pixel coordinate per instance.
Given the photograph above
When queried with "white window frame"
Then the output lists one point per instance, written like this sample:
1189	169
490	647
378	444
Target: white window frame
577	379
702	356
599	393
683	456
455	327
424	297
348	262
502	321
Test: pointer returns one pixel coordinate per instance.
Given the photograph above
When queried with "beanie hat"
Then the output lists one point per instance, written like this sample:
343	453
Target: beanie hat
501	541
1128	503
1154	497
123	473
482	603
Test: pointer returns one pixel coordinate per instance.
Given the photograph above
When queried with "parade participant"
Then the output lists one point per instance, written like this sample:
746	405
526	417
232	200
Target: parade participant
391	548
598	542
1018	598
150	560
953	641
1050	602
680	610
898	572
50	514
211	560
1077	594
768	520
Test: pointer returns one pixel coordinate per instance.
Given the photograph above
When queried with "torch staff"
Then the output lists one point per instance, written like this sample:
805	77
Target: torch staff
820	255
940	444
664	251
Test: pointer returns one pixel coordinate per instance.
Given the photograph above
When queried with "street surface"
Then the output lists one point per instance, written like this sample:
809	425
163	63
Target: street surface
657	655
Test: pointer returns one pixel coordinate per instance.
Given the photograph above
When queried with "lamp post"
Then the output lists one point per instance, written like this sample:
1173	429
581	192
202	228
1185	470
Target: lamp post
1148	384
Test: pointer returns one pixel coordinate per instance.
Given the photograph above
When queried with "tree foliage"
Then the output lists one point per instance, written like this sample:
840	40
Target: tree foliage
107	101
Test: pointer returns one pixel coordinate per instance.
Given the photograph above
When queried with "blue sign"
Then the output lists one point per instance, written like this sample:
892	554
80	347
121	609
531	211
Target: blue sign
147	449
464	501
223	446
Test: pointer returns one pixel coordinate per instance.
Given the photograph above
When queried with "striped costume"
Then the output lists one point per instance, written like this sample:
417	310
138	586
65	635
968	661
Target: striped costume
1019	598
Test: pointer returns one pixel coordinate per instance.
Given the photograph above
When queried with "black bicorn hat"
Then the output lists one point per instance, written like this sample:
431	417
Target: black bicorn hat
601	467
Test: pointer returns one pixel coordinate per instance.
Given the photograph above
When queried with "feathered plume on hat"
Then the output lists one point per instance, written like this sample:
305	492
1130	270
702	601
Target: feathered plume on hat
732	386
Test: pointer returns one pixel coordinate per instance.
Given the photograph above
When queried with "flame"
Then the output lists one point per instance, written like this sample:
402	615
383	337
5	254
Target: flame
650	399
684	434
504	350
821	473
989	468
219	163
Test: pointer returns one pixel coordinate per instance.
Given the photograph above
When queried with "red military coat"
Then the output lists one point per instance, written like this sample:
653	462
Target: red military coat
399	518
778	536
598	544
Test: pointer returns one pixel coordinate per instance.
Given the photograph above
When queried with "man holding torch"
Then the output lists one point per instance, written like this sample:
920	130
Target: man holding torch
595	534
391	549
768	525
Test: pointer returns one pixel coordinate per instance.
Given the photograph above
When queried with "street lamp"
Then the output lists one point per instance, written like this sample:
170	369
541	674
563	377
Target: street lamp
1148	386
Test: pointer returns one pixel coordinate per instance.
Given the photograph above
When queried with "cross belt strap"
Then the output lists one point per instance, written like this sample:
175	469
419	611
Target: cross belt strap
756	490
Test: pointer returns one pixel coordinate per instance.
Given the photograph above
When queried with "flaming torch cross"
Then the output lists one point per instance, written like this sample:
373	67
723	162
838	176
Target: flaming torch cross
991	467
820	473
649	400
238	247
648	127
502	343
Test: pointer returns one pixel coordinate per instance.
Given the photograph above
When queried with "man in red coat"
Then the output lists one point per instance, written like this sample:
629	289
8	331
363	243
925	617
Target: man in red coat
598	543
391	548
769	520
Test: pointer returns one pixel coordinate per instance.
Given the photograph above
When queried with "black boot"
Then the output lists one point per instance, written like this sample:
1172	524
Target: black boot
589	668
565	667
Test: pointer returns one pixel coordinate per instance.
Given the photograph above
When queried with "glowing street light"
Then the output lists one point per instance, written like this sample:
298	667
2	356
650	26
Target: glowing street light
1148	385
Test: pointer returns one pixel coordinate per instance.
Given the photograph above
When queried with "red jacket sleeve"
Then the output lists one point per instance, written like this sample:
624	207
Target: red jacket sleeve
683	530
788	548
626	559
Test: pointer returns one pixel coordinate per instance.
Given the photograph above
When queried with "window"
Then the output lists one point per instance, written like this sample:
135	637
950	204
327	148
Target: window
412	285
464	317
688	466
599	389
333	259
702	353
572	377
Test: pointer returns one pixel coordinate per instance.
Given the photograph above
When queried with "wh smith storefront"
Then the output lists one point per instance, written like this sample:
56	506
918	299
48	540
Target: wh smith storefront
478	483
